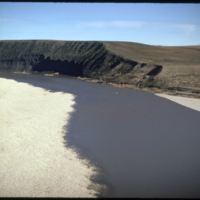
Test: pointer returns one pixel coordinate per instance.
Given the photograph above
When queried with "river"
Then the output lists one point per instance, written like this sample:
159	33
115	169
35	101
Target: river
141	144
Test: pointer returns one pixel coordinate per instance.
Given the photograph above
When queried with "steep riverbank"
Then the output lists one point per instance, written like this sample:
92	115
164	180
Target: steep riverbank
174	69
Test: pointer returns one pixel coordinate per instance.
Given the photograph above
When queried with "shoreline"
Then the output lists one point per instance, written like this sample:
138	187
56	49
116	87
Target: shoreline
192	103
153	90
34	159
135	138
190	100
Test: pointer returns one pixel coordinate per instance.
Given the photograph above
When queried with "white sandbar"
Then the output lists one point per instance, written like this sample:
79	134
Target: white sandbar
34	161
192	103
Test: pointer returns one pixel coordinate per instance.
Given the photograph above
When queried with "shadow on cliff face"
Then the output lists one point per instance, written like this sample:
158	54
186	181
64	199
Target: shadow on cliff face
144	145
155	71
62	66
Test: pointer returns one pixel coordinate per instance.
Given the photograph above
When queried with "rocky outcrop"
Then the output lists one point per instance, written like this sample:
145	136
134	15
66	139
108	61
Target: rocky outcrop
74	58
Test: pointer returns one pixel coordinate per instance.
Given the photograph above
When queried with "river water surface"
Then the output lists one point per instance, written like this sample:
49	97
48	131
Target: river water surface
143	145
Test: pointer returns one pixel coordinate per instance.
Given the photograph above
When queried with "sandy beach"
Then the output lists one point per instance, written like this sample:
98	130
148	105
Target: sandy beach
192	103
34	159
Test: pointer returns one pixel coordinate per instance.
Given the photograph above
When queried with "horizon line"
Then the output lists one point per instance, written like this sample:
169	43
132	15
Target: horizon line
120	41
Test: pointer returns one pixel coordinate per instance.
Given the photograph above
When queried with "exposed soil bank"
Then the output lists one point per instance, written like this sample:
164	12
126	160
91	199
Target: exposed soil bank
145	145
74	58
174	69
34	160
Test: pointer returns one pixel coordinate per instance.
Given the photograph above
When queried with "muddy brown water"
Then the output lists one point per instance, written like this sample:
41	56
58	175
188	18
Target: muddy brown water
143	145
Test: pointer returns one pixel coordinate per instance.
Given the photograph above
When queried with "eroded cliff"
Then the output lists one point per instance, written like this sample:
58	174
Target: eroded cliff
75	58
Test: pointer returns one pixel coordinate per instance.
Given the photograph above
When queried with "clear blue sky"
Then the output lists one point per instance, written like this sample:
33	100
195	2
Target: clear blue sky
154	23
